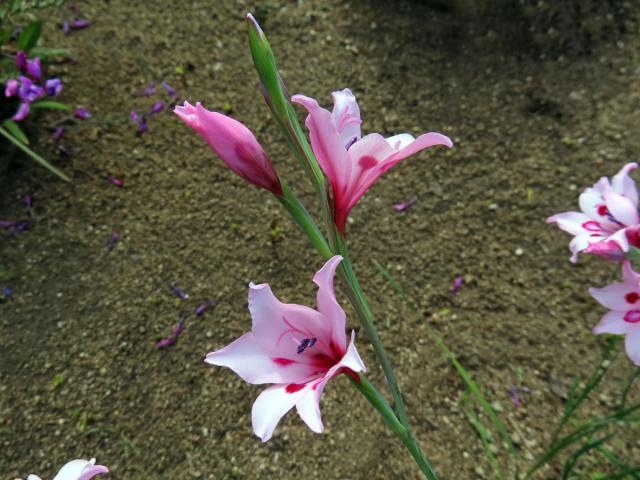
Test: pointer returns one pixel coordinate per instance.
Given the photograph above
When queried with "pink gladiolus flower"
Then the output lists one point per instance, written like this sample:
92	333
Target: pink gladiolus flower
623	299
609	222
352	163
296	348
77	470
234	143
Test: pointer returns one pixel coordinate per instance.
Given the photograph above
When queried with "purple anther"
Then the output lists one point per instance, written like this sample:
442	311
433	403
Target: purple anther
515	394
351	142
169	90
79	24
66	28
178	291
306	343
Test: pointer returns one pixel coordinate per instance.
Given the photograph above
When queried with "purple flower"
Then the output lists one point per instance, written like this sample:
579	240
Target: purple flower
53	86
82	113
157	107
403	206
118	182
23	111
34	69
203	307
455	286
11	87
21	61
57	135
149	90
29	91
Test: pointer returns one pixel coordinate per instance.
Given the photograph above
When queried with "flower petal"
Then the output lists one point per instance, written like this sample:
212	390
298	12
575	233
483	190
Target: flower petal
621	208
254	364
573	222
326	143
593	204
328	305
607	249
346	116
400	141
617	296
632	345
279	327
272	404
623	184
80	470
612	322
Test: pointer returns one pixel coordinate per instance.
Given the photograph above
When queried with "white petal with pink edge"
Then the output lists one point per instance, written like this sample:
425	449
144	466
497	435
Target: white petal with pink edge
614	296
256	365
327	303
623	184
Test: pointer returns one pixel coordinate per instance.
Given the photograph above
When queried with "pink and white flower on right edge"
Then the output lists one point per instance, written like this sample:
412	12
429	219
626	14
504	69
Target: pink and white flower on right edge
623	301
77	470
609	222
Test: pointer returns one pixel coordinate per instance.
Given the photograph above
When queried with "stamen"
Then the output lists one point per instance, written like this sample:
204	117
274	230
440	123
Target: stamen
306	343
351	142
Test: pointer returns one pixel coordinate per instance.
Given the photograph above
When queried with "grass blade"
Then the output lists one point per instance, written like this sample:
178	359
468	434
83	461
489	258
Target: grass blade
16	131
485	436
33	155
572	461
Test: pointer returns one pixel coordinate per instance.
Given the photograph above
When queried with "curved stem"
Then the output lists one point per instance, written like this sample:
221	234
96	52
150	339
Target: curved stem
359	302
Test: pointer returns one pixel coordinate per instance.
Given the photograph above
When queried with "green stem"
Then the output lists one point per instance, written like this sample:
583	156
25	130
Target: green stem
402	432
359	302
300	215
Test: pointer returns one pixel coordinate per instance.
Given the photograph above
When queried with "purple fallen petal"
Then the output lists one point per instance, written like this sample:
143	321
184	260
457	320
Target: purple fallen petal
149	90
404	206
157	107
115	238
455	286
21	61
172	338
79	24
82	113
203	307
53	86
178	291
118	182
66	28
57	135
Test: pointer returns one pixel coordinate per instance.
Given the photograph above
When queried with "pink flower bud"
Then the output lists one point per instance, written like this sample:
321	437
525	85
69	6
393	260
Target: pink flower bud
234	144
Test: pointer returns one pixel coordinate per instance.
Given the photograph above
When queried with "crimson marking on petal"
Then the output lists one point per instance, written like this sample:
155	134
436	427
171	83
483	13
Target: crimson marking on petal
294	387
632	297
367	162
284	362
632	316
603	210
592	226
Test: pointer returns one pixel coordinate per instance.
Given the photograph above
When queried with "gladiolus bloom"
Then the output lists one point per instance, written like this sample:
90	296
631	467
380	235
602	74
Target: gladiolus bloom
623	301
351	162
294	347
77	470
234	143
609	222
